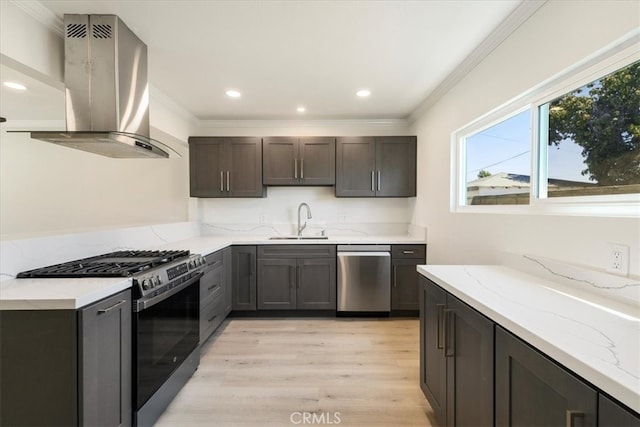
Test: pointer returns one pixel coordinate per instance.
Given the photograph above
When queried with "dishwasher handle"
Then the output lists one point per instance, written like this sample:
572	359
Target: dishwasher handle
363	248
360	254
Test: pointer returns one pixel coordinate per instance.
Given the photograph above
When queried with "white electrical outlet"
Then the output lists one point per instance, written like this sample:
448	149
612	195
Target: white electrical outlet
342	217
262	218
618	259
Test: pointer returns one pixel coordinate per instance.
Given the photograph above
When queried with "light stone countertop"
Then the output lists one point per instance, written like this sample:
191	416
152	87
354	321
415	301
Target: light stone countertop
60	294
598	339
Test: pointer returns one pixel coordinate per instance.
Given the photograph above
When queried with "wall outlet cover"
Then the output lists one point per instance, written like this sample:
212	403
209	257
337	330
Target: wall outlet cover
617	259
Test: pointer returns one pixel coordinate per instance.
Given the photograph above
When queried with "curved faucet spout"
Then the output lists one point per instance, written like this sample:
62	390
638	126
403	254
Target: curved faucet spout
303	226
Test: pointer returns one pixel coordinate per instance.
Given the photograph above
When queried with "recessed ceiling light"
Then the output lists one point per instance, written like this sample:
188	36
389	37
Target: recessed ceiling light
16	86
232	93
363	93
301	109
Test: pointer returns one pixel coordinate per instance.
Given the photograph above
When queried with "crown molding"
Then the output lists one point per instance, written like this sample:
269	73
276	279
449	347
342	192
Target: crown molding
370	123
40	13
516	18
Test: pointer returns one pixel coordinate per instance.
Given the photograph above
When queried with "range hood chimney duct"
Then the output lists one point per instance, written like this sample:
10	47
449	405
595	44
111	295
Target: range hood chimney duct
106	90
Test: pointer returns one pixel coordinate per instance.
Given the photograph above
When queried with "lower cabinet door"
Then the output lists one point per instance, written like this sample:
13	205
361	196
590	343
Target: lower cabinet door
532	390
433	365
105	376
316	284
469	353
612	414
404	284
243	280
277	284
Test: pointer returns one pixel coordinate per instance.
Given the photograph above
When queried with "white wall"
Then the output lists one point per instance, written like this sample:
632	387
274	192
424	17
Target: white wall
555	37
280	205
46	189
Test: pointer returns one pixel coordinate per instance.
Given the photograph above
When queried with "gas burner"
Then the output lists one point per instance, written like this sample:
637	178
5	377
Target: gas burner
115	264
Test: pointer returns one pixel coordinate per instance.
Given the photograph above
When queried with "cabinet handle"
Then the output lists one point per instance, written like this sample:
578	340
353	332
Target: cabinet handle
395	276
211	320
408	252
295	168
221	181
212	287
297	276
228	180
449	333
106	310
372	181
378	180
439	325
572	415
301	168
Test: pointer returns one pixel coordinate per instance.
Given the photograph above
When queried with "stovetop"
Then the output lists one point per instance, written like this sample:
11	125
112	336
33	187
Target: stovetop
114	264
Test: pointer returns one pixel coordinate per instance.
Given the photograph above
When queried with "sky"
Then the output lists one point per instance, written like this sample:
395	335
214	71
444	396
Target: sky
506	147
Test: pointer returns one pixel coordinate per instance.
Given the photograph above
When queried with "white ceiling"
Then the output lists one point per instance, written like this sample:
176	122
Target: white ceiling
283	54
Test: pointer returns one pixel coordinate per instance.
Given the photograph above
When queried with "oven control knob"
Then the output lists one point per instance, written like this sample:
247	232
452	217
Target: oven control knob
145	284
159	280
153	281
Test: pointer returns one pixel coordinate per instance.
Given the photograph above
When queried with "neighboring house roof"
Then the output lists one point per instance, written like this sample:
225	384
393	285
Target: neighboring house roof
502	179
512	180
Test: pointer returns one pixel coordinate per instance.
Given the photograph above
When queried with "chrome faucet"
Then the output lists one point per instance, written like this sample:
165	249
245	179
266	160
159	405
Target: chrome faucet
302	227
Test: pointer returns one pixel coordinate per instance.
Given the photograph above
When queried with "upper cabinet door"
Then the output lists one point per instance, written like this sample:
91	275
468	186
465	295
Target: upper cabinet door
396	166
299	161
355	167
244	174
317	161
207	167
281	163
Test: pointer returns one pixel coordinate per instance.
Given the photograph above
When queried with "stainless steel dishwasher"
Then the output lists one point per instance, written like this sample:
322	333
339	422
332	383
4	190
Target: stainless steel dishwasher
364	278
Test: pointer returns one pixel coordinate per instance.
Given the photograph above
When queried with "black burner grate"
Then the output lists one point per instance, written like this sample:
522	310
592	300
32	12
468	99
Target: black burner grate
114	264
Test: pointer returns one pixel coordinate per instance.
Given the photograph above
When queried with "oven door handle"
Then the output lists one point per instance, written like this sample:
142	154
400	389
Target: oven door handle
143	304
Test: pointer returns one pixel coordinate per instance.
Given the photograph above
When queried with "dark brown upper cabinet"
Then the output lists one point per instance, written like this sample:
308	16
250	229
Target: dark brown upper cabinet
299	161
370	166
225	167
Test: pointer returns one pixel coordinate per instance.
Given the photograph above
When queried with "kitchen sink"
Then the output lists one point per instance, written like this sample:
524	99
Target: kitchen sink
299	238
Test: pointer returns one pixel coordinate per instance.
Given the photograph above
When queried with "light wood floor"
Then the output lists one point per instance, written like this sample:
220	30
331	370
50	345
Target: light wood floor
271	372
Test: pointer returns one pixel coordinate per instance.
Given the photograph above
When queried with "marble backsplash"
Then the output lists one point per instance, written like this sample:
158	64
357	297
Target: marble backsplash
329	229
582	280
26	254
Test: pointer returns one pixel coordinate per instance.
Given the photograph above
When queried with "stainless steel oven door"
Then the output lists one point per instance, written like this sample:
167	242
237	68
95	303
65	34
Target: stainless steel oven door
166	331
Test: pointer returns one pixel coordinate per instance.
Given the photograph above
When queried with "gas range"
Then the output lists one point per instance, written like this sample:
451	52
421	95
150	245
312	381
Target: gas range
165	320
153	272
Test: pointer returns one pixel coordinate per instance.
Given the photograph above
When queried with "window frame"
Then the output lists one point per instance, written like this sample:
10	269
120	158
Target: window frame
609	59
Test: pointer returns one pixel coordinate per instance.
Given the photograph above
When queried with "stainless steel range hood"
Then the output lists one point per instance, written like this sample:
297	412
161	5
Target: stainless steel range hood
107	92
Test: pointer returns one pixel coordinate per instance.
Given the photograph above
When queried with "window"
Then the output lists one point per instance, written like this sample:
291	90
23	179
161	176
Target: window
592	138
498	160
571	145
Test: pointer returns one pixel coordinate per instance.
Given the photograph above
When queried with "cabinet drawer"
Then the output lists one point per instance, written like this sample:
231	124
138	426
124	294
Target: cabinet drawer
211	316
213	260
212	283
297	251
409	251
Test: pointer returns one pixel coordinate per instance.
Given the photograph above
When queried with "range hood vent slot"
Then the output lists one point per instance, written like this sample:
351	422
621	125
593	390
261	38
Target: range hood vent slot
101	31
76	31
